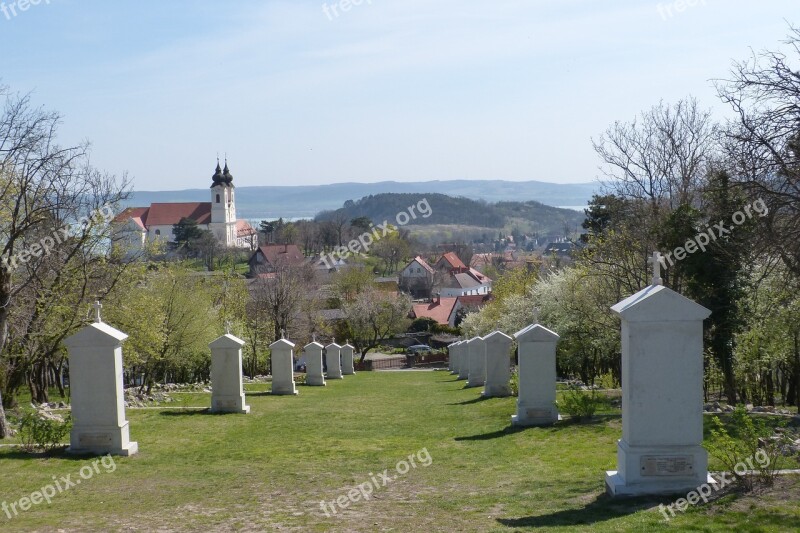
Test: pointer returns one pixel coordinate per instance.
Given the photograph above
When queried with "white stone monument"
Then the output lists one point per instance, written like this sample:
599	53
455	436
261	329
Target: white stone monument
333	361
476	348
96	391
227	390
536	402
283	368
348	369
498	365
453	355
661	448
312	353
463	359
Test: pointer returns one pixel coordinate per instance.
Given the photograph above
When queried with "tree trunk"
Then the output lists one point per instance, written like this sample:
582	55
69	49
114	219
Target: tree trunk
3	424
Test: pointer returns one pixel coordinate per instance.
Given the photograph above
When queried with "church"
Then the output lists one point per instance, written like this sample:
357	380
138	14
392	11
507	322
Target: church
138	225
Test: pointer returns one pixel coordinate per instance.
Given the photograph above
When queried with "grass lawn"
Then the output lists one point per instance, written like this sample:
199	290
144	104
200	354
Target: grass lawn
271	469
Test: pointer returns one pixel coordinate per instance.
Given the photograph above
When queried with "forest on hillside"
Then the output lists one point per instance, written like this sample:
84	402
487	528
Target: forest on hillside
449	210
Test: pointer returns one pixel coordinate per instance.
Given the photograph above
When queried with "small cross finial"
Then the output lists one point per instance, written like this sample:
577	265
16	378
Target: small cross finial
97	307
283	333
657	261
227	327
313	337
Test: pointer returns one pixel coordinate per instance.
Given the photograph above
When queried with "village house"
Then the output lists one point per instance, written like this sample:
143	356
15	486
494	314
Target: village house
268	258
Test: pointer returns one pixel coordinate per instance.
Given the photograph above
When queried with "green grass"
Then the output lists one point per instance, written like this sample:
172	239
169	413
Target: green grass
270	469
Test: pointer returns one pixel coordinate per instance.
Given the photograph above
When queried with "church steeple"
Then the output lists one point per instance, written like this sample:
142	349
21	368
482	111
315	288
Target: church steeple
218	178
227	177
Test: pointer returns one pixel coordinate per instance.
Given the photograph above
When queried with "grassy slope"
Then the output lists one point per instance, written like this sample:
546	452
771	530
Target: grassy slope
272	468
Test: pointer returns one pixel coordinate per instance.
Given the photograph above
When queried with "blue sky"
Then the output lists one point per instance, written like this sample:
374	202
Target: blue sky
389	89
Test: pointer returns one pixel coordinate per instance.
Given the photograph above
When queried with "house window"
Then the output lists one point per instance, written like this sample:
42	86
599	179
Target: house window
158	232
218	198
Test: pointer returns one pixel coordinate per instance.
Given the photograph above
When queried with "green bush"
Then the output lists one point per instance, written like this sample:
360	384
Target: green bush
747	444
514	381
579	404
38	432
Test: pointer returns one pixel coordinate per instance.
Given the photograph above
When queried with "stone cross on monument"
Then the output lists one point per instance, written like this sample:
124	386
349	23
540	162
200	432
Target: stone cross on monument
227	327
657	261
283	333
97	307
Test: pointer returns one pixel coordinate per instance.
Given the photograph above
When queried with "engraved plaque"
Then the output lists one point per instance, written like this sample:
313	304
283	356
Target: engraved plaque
92	440
667	465
538	413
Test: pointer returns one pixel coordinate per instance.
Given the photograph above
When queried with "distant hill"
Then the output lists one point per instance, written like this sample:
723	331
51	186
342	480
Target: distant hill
306	201
447	210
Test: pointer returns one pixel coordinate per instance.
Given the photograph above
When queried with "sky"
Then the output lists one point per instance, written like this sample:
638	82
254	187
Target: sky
304	92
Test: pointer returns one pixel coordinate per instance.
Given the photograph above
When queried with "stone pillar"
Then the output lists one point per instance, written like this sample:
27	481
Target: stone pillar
498	365
476	348
283	367
453	356
463	359
348	368
227	390
536	403
333	361
313	355
661	448
97	394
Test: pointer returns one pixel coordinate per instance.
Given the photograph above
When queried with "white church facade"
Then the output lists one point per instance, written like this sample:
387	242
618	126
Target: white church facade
138	225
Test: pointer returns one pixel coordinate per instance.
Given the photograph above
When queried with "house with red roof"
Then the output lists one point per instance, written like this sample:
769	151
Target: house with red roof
457	279
417	278
443	310
268	258
136	226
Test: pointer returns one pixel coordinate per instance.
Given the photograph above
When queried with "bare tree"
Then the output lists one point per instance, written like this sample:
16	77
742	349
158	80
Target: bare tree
662	157
764	141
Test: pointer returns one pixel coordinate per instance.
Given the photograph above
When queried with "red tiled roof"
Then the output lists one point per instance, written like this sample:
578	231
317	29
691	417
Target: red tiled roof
475	301
276	254
244	229
137	214
439	311
169	214
453	260
482	278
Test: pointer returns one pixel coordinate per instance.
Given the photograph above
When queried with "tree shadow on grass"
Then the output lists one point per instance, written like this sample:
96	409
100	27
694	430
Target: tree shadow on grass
479	399
601	509
510	430
59	453
192	412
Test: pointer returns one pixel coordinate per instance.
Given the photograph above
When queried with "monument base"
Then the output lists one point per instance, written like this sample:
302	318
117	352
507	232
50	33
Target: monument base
334	377
502	391
315	381
473	384
102	440
353	373
535	417
658	470
229	404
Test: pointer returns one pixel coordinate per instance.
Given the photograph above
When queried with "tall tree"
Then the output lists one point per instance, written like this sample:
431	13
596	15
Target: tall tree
374	316
53	224
764	141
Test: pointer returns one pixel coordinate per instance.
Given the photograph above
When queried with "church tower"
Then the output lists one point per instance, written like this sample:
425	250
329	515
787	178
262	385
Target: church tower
223	206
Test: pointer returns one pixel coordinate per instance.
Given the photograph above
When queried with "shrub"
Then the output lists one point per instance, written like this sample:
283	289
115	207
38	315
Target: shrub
579	404
37	431
750	442
514	381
